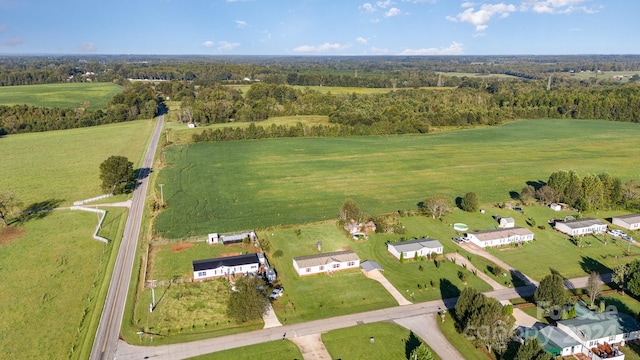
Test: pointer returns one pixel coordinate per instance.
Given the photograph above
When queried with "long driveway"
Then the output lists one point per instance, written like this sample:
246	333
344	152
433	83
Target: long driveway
108	333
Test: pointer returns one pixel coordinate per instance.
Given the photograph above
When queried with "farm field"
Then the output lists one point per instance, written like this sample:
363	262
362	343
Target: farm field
391	341
64	165
90	96
230	186
48	170
60	297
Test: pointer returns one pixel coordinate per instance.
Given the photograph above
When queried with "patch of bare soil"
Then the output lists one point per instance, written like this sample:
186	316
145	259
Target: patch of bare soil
11	233
181	247
230	254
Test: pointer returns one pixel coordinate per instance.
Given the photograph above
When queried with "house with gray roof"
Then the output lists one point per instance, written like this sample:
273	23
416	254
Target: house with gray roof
326	262
499	237
581	227
409	249
597	332
629	222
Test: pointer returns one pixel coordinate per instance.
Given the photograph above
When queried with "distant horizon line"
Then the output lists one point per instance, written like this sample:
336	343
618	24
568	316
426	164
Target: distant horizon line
312	55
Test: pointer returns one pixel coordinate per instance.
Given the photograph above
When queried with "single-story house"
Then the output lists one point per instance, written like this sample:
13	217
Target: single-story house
489	238
581	227
215	238
629	222
506	222
554	341
555	207
409	249
225	266
596	331
327	262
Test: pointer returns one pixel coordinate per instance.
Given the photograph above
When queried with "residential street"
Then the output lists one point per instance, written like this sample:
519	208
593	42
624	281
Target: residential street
403	315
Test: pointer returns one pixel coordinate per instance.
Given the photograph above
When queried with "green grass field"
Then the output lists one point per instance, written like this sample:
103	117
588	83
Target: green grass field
274	350
90	96
52	275
391	341
256	184
65	165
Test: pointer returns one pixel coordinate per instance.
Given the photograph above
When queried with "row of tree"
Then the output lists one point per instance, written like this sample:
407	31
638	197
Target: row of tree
592	192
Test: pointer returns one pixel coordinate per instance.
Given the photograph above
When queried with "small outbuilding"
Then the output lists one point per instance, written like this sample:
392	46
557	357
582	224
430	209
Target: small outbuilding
371	267
555	207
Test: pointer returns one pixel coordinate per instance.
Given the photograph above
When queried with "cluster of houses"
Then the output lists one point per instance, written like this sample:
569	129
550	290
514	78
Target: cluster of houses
589	335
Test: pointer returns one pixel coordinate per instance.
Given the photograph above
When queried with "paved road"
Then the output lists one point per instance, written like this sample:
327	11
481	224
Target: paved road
107	335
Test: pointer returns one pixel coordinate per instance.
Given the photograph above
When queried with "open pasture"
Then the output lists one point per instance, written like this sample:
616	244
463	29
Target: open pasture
65	165
90	96
228	186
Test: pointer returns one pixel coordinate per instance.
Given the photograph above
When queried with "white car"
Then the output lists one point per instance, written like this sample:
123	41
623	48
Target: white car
616	233
628	238
276	293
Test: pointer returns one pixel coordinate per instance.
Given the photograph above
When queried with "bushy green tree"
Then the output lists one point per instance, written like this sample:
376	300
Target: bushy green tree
9	205
532	350
550	293
247	302
422	352
116	174
350	211
436	206
470	202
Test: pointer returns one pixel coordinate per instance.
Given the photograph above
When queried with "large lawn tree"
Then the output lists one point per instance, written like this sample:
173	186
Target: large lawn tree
550	293
9	205
594	287
470	202
247	302
436	206
116	174
350	211
531	349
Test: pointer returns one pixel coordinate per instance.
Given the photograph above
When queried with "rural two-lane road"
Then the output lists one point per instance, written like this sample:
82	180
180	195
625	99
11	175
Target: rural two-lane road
107	335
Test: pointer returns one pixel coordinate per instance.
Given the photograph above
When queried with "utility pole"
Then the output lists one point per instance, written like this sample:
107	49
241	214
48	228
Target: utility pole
153	295
161	195
166	133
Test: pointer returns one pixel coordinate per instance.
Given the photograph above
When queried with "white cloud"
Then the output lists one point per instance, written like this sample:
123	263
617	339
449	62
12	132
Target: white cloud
241	24
208	43
453	49
368	7
361	40
392	12
379	51
87	47
556	6
321	48
225	45
384	4
480	18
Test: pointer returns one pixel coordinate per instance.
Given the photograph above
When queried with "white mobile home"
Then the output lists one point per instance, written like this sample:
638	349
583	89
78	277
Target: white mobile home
409	249
490	238
327	262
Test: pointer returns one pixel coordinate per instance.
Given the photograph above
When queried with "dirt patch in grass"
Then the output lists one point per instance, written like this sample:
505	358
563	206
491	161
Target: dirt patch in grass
181	247
230	254
11	233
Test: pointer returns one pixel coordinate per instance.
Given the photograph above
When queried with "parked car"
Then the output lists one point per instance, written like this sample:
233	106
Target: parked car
616	233
628	238
276	293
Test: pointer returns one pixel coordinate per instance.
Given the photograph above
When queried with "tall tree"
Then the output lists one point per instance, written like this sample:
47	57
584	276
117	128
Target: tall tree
470	202
9	205
437	206
422	352
532	350
594	287
591	193
550	293
527	194
350	211
116	174
247	302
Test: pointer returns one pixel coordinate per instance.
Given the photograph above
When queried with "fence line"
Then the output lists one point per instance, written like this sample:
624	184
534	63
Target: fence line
99	211
82	202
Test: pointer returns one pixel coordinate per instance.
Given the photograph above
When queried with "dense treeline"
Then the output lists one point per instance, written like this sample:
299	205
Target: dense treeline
137	101
409	71
592	192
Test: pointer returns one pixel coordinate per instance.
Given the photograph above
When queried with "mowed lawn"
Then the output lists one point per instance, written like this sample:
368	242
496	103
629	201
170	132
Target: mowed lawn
52	274
91	96
228	186
65	165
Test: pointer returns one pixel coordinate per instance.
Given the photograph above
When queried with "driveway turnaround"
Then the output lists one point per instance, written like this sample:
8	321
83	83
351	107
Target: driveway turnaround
426	328
312	347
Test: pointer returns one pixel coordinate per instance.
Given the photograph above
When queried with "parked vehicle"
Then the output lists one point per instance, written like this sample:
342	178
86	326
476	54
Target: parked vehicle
617	233
628	238
276	293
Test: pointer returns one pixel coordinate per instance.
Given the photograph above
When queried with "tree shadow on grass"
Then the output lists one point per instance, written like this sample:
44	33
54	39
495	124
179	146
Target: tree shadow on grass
619	306
448	289
411	344
537	184
38	210
589	265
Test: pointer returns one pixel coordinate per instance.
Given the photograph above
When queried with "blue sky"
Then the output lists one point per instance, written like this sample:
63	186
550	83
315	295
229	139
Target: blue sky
319	27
